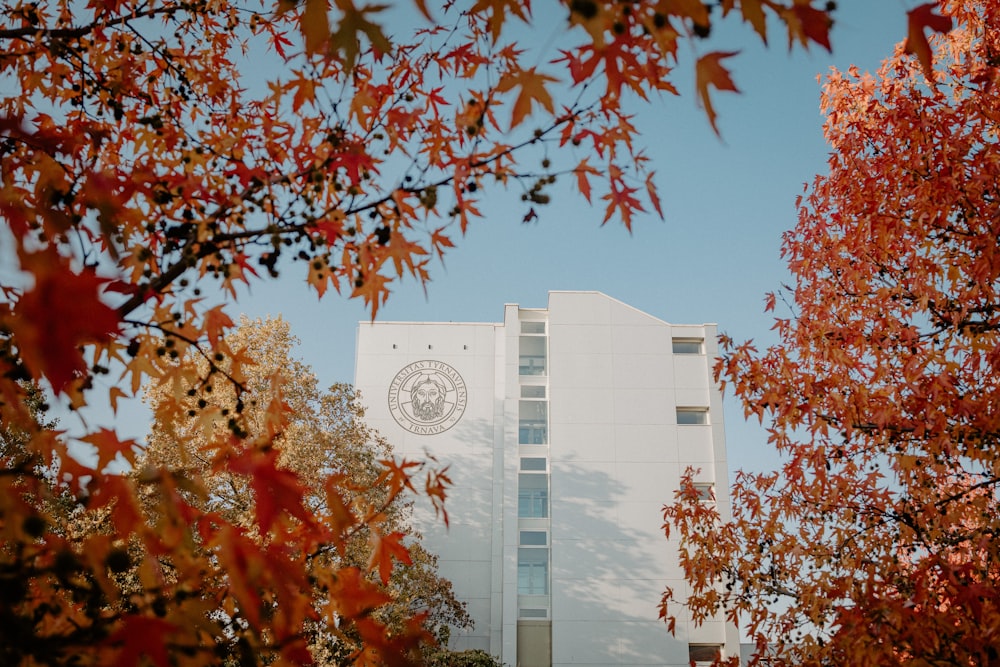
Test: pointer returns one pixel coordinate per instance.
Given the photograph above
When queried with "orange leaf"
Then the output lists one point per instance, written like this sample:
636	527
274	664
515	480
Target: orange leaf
315	24
582	182
916	41
384	549
60	314
753	13
216	323
654	196
710	72
532	85
109	447
353	595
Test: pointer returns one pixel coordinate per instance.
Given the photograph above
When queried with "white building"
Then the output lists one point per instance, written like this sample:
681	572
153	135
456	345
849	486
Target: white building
566	429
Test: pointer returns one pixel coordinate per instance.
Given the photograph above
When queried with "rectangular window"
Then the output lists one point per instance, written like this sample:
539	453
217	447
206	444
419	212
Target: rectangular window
531	356
533	571
532	496
532	427
692	415
533	328
704	654
534	538
688	346
533	463
706	491
533	613
533	391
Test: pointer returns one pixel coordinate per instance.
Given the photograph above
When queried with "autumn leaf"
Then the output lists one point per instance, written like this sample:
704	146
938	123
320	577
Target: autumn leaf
810	25
216	324
582	171
710	72
354	595
49	345
109	446
532	89
277	492
918	19
315	24
753	13
385	548
499	11
345	39
139	637
654	197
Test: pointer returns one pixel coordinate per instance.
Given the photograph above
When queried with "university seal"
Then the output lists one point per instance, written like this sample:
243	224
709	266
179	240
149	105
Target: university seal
427	397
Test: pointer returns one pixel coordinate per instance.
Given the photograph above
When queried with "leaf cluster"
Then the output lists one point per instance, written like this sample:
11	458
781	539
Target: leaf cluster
876	541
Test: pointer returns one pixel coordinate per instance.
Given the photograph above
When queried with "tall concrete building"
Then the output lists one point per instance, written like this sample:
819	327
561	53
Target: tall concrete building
567	429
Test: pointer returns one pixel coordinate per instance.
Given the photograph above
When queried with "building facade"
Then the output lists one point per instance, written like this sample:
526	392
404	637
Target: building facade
566	430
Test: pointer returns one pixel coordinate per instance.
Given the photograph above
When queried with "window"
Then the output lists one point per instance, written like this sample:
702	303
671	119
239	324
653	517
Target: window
704	654
531	356
533	463
533	571
692	415
533	328
532	427
689	346
532	496
533	613
533	391
534	538
706	491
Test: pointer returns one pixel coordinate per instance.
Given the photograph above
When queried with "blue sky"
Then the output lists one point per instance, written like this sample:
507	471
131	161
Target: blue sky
727	202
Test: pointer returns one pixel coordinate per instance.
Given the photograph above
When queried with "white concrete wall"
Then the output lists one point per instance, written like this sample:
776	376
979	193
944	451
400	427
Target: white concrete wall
466	550
616	456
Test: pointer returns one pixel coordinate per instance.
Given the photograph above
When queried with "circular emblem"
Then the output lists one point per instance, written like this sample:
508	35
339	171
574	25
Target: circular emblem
427	397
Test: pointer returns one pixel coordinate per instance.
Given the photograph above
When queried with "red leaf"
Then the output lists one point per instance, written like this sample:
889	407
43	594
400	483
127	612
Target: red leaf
276	491
916	41
815	24
710	72
60	314
142	636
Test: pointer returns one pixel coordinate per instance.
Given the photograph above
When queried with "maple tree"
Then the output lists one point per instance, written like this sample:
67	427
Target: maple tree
876	542
156	152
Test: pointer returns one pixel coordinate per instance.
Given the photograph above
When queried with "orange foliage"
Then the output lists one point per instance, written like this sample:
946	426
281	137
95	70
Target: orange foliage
152	149
876	542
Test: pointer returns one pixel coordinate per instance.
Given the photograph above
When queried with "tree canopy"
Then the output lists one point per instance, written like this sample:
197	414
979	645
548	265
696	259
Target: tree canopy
876	542
324	441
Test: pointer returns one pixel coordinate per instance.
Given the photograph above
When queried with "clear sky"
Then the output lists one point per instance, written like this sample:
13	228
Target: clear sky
726	201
